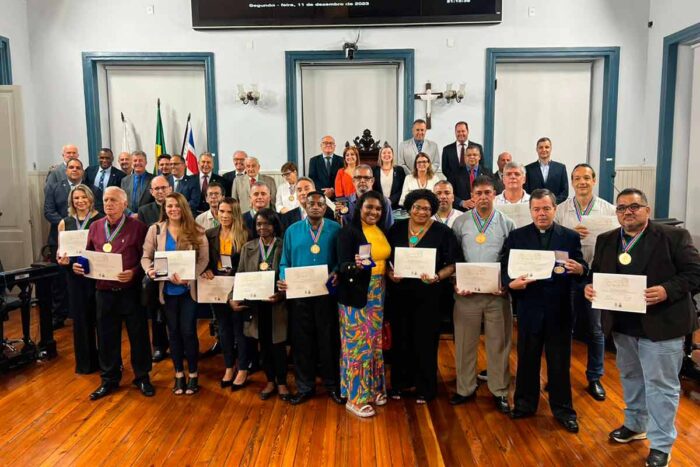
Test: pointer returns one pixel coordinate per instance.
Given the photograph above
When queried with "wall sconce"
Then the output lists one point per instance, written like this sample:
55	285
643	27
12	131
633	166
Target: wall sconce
450	93
253	95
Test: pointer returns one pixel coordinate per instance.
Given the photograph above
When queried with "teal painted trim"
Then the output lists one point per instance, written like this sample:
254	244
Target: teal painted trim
294	58
5	61
667	109
92	107
611	72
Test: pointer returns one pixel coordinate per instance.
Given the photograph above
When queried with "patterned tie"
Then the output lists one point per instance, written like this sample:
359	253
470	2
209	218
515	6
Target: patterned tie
101	184
205	184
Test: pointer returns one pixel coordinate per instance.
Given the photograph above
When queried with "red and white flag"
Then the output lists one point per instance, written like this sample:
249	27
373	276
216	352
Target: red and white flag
190	154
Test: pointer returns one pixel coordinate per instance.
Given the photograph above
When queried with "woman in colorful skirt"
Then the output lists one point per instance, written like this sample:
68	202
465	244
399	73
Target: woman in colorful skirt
362	252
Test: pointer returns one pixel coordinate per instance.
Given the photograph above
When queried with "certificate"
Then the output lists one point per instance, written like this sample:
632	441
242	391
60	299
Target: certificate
181	263
308	281
412	262
535	264
72	242
519	213
258	285
103	266
619	292
478	277
215	290
597	225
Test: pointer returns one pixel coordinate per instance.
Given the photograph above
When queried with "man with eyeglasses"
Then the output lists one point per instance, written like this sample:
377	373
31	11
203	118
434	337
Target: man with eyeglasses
239	158
209	218
362	180
463	177
324	167
544	311
286	192
572	214
649	345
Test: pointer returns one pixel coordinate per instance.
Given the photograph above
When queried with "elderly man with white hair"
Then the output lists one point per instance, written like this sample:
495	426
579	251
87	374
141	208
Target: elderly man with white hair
242	185
57	173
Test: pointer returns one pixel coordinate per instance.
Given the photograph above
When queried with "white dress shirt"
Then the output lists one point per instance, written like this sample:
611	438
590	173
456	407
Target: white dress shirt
284	192
501	199
566	216
411	183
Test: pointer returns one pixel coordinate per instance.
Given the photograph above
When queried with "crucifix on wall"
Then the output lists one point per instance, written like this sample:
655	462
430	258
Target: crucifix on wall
428	96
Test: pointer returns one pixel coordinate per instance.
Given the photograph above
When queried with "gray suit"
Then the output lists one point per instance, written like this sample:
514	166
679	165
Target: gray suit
241	190
407	152
56	174
144	192
56	207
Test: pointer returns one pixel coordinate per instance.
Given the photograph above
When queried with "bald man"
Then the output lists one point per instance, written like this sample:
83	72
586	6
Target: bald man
503	159
239	158
125	162
242	186
57	173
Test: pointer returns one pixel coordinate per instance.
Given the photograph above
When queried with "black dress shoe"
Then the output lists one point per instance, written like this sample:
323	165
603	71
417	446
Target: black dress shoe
625	435
570	424
458	399
518	413
596	390
658	458
226	384
237	387
265	395
285	397
102	391
159	356
335	397
300	397
502	404
145	387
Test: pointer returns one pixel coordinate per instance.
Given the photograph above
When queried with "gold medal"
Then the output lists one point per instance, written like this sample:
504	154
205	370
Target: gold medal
481	238
264	266
315	249
291	197
366	262
559	270
344	209
625	259
107	247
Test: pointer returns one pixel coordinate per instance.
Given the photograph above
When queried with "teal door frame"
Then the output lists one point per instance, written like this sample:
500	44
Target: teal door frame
5	61
664	154
611	71
295	58
91	60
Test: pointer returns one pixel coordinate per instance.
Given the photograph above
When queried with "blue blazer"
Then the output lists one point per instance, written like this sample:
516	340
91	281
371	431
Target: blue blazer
115	179
318	173
189	188
56	206
544	304
557	180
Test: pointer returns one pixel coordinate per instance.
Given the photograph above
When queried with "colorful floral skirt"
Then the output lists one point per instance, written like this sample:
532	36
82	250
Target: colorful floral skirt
361	360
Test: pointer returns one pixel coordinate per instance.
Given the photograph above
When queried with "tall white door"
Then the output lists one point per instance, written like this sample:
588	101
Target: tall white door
15	227
342	100
543	99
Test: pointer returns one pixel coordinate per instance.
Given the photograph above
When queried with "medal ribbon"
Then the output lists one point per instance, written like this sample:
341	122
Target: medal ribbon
81	226
111	236
315	238
482	226
583	212
627	247
265	253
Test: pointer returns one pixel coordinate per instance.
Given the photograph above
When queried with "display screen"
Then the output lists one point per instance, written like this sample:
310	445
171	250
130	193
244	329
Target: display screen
329	13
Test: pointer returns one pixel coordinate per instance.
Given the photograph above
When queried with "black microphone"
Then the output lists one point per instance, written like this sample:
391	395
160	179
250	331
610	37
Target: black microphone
613	175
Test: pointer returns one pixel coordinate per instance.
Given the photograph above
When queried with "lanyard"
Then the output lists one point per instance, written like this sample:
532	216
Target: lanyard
583	212
109	236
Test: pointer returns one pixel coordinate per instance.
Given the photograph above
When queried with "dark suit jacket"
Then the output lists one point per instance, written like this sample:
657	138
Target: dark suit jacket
557	180
450	158
544	304
149	214
319	174
354	282
189	188
229	178
115	179
671	260
56	206
294	215
460	184
144	194
203	205
396	186
249	222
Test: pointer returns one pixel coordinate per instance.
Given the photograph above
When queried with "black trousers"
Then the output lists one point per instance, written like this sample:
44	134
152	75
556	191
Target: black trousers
316	339
81	298
416	334
231	336
113	309
59	295
274	356
557	347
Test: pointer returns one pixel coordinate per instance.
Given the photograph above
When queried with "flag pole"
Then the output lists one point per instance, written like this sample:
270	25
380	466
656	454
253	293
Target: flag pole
184	138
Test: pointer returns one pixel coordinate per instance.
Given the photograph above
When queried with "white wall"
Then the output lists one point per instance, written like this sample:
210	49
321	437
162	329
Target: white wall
61	29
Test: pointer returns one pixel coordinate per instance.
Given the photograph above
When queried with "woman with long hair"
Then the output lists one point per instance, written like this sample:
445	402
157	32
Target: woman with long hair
388	178
343	180
225	244
177	231
422	176
81	291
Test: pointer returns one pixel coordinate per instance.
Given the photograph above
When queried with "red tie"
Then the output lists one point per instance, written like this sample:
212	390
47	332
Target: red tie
252	180
205	184
471	177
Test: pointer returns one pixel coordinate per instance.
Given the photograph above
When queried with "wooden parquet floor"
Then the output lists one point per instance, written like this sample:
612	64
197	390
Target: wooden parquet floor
47	419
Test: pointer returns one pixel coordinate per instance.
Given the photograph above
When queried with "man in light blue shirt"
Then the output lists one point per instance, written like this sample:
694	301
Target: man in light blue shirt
315	333
481	233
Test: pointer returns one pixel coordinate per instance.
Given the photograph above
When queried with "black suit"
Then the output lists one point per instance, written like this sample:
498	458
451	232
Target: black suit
229	178
544	321
249	222
149	214
91	180
668	258
188	187
203	205
396	185
557	180
450	158
461	186
354	281
320	175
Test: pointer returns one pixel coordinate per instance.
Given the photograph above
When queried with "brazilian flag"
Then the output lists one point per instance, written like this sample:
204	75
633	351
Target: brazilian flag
160	141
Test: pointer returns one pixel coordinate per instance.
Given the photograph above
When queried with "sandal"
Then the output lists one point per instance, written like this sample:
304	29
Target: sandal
363	412
179	386
380	400
395	394
192	386
420	400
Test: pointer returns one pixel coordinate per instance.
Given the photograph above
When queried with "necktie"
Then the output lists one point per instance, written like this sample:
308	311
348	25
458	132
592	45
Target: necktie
176	184
419	145
252	180
328	165
134	193
461	154
101	184
472	175
205	184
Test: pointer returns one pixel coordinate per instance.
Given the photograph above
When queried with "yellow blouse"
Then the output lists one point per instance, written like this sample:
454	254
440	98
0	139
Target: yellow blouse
381	250
225	249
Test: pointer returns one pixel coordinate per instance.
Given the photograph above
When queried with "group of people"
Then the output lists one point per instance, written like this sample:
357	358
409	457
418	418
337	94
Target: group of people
242	222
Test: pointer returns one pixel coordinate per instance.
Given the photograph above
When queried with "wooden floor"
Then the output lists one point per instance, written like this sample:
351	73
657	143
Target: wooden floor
47	419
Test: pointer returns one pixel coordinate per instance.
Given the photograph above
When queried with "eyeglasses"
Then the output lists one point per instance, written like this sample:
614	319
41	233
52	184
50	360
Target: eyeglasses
362	178
328	143
422	162
634	207
417	208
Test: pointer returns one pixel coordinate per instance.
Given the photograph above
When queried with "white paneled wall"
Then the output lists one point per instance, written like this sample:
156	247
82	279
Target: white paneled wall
642	177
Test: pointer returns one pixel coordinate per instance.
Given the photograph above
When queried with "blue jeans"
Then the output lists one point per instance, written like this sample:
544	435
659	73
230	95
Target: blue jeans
181	318
594	333
651	386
